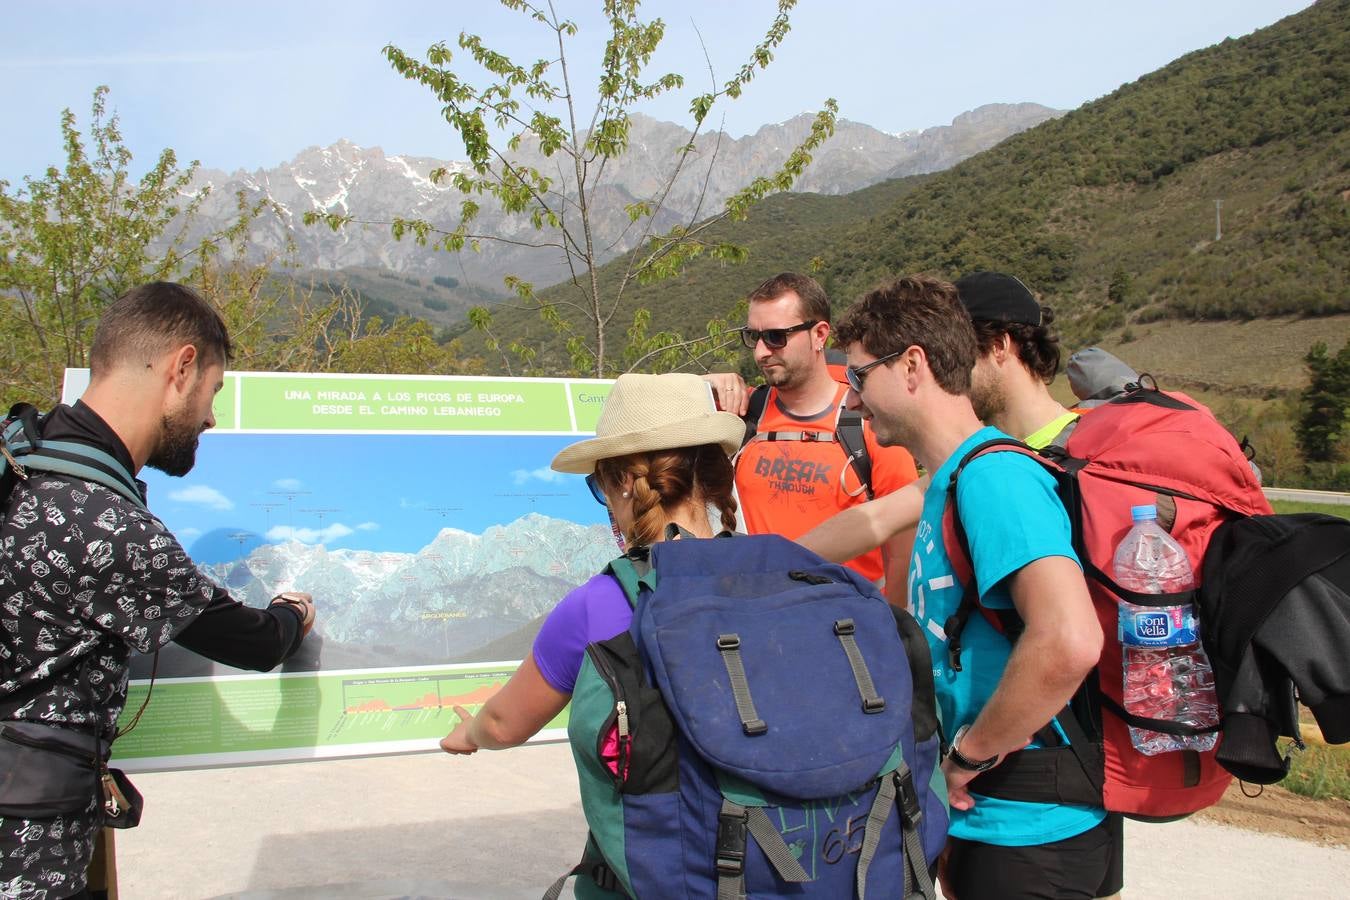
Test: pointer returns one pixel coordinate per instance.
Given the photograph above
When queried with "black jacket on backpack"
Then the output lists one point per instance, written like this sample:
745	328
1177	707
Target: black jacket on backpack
1275	601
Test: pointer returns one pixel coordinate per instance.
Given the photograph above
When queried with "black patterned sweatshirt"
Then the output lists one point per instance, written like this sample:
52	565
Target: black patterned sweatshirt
86	579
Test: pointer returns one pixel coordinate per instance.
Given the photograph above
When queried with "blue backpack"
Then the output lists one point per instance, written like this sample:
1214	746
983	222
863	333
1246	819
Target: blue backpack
767	727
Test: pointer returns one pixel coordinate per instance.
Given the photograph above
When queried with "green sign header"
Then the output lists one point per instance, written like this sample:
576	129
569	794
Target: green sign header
288	403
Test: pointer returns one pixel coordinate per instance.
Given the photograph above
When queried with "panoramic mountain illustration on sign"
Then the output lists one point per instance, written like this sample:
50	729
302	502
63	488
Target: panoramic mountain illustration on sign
451	554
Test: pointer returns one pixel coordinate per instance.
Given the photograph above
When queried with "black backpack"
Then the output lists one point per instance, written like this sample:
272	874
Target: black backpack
1275	603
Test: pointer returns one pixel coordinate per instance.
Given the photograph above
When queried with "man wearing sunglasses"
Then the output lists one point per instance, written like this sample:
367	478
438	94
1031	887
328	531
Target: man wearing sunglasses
911	349
1019	356
798	466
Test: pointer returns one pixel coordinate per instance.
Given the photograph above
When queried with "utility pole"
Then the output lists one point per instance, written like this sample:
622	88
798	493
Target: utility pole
1218	220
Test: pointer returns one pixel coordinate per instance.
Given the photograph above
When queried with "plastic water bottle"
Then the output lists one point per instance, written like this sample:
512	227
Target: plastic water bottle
1167	675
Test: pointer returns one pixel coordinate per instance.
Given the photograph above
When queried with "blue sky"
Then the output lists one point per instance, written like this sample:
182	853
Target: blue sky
373	492
248	84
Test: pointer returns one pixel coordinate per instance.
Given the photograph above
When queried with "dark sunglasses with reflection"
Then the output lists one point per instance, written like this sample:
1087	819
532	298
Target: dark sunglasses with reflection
594	484
773	338
857	375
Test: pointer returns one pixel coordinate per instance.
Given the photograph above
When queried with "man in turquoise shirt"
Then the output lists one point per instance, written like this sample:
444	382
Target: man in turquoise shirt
911	349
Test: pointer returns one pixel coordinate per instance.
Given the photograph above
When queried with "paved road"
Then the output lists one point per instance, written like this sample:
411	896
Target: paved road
1302	496
504	825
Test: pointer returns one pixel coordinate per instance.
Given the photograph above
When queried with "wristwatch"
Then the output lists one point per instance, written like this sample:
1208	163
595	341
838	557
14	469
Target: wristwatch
961	761
298	602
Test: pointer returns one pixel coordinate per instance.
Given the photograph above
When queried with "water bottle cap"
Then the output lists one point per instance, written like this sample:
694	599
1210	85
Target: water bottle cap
1143	513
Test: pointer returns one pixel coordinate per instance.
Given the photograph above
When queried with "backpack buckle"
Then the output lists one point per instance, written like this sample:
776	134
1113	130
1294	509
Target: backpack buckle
952	628
604	877
907	798
731	832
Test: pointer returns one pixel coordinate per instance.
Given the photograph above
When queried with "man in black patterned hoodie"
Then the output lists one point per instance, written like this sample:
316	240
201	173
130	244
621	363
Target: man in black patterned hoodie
88	576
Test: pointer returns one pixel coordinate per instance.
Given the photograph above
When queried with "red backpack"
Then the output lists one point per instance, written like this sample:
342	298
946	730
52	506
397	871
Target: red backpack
1143	445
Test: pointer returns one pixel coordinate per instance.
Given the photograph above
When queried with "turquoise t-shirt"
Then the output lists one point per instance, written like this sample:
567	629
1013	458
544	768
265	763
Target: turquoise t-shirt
1012	518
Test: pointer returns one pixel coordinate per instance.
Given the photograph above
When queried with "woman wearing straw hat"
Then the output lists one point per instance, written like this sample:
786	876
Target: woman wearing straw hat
659	457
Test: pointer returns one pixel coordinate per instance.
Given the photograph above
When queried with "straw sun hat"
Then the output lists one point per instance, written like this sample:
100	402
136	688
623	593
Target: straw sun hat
653	412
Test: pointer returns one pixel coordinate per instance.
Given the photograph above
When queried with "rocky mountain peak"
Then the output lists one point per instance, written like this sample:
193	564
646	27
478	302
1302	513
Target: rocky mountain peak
344	177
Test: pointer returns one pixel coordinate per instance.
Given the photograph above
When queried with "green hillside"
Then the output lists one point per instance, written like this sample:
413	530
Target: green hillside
1119	192
442	301
783	232
1126	185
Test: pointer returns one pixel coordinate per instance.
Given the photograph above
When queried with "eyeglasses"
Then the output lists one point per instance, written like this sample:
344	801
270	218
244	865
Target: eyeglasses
773	338
594	484
857	375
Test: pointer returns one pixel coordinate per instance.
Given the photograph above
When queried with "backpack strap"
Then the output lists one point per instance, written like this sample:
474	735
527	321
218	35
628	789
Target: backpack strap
759	399
843	629
896	789
22	449
632	571
592	866
850	431
734	824
729	649
1054	773
1005	621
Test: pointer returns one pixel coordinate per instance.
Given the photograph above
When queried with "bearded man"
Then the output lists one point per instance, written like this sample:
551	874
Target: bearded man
89	576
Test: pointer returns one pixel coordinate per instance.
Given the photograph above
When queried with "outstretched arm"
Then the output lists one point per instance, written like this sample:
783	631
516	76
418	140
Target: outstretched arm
896	553
512	716
860	528
229	632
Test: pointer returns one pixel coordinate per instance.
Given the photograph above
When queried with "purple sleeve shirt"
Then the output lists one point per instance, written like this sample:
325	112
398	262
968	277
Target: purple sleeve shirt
595	611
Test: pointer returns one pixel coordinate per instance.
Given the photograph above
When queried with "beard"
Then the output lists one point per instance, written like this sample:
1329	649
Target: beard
986	399
783	375
176	452
776	377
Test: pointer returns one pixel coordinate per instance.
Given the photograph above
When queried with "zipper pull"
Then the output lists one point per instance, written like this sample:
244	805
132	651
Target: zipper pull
621	707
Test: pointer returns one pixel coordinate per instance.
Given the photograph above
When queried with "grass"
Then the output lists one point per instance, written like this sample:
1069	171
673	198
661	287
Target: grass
1285	507
1321	771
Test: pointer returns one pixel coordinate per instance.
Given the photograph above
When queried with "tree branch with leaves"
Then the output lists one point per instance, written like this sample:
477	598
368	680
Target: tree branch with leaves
510	115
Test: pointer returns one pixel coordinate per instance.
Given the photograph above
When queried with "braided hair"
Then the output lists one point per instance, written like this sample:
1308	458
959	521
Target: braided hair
664	480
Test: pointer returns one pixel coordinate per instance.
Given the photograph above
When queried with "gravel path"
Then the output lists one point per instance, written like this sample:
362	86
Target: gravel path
506	824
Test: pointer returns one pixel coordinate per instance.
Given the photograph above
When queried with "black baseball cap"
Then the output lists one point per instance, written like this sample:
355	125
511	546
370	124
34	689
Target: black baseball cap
995	297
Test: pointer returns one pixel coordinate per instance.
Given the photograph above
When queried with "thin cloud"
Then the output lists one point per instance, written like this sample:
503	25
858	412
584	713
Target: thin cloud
368	526
288	484
335	532
201	495
544	474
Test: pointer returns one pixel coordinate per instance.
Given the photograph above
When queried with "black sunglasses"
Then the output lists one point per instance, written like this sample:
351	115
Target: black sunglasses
594	484
856	376
773	338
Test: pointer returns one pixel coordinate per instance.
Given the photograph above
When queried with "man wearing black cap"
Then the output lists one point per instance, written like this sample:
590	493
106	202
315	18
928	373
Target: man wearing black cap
1018	358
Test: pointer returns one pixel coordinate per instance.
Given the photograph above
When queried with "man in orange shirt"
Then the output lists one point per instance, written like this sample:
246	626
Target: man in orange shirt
794	473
